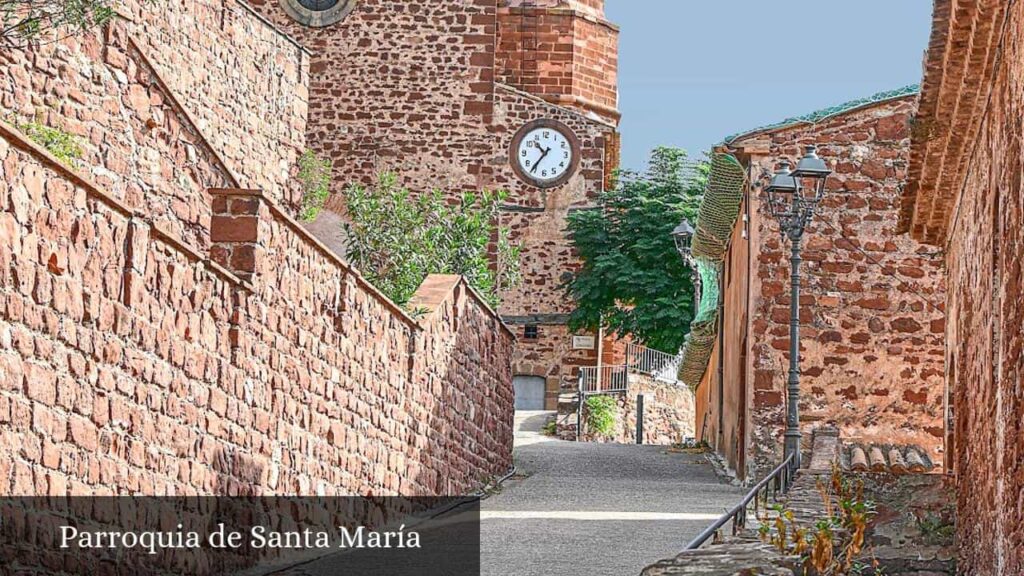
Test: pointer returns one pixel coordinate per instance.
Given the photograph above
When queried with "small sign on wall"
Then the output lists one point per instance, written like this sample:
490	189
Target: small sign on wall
583	342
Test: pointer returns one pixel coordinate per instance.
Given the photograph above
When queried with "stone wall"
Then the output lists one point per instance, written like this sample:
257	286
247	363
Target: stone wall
565	52
166	329
132	131
872	320
668	414
984	336
132	363
966	196
245	83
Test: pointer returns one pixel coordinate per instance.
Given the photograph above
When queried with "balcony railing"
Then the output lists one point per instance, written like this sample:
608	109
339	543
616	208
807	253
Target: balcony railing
603	379
661	365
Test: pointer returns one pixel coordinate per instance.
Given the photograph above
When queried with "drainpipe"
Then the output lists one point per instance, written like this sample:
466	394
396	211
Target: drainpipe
721	356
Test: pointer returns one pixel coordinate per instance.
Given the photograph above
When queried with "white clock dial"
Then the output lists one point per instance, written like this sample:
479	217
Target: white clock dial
545	154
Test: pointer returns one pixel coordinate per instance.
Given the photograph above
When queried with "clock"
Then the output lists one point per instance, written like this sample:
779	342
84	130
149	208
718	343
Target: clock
318	13
545	153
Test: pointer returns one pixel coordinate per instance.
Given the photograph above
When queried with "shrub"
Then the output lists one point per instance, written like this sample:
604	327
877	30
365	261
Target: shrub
601	415
315	177
62	145
396	240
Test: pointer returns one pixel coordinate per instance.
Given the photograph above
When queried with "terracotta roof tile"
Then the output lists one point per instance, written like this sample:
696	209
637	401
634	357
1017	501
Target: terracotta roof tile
877	457
962	53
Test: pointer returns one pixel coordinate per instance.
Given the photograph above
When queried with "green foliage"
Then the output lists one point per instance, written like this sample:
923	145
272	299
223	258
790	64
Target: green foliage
396	240
550	428
24	22
935	529
632	280
601	415
63	146
315	177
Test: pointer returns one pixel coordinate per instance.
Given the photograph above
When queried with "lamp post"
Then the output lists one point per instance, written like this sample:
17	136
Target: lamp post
683	237
793	198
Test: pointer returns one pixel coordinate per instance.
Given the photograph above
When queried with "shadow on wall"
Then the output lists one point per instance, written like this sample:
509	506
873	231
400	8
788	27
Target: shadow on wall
473	424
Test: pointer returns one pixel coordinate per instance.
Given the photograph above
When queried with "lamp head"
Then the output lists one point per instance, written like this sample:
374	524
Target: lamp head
811	166
683	237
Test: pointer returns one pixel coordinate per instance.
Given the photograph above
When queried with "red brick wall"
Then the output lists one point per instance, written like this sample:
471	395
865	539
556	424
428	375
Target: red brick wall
131	361
872	345
402	86
130	128
984	337
566	53
233	56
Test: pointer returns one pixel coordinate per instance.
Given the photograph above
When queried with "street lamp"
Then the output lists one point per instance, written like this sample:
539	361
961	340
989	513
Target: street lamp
683	236
793	198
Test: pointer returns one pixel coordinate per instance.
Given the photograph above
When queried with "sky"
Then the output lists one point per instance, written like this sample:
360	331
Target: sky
692	72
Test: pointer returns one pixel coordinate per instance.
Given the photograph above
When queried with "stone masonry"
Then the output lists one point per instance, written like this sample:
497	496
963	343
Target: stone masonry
965	195
872	318
668	413
166	327
435	91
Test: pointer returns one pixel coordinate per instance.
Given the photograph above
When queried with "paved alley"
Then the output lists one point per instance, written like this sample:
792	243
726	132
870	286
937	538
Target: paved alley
595	509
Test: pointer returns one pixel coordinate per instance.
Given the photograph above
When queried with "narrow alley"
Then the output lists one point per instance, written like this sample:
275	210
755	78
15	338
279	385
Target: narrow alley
595	509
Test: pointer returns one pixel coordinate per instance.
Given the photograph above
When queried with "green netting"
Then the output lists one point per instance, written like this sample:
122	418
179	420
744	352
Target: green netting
719	207
701	339
718	212
826	113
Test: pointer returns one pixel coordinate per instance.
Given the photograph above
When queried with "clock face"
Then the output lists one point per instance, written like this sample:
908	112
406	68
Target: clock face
318	13
545	153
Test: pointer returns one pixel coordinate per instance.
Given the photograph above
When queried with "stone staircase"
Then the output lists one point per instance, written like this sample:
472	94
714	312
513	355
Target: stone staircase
745	554
741	555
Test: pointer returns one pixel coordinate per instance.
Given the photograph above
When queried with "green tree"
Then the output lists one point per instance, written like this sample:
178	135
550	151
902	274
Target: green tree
26	21
632	281
396	240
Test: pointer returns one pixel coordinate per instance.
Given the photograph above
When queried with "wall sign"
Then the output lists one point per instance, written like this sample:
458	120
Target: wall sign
583	342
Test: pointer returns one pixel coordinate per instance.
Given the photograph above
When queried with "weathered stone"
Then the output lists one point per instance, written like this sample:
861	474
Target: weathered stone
869	301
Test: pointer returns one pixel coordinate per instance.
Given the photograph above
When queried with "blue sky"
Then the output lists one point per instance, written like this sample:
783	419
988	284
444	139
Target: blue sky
694	71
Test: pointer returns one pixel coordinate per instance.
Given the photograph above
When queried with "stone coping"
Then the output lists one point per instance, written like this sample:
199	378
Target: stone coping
430	287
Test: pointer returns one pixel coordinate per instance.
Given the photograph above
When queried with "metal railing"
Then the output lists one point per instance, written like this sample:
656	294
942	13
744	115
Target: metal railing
661	365
603	379
775	483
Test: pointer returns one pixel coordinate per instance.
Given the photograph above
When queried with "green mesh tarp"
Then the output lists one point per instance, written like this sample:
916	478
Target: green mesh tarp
718	212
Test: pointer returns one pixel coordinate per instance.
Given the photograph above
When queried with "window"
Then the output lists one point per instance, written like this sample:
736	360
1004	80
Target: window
531	332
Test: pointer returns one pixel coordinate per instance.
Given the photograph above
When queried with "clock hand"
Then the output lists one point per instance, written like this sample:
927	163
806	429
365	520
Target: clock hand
541	159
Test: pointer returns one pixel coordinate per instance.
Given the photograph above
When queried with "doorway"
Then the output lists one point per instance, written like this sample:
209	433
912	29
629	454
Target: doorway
529	392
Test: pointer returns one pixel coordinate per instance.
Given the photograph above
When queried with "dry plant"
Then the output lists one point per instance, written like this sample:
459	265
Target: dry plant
836	545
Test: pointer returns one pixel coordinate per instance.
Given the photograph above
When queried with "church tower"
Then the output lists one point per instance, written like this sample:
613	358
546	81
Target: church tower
466	95
564	51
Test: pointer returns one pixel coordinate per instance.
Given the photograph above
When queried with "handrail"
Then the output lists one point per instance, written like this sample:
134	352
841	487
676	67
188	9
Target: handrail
661	366
738	514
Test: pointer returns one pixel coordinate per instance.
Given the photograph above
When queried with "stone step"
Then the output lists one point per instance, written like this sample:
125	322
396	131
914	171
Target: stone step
732	557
